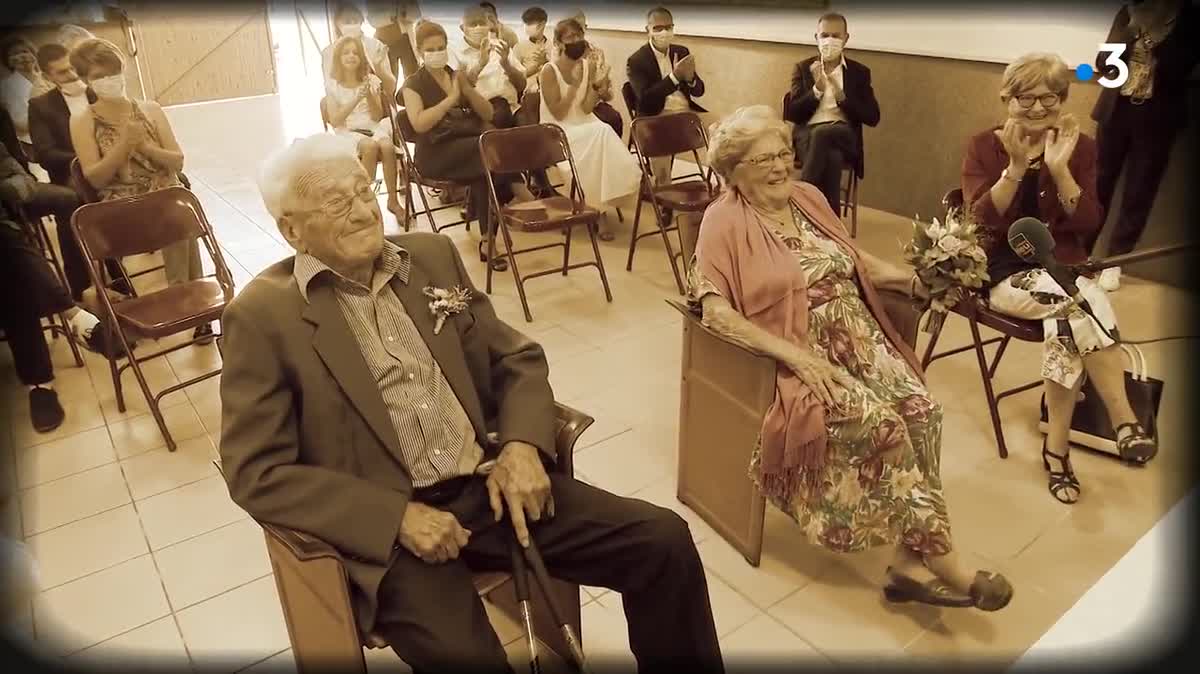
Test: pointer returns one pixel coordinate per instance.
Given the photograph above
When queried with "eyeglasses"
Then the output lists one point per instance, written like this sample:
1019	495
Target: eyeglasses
763	160
1047	100
339	208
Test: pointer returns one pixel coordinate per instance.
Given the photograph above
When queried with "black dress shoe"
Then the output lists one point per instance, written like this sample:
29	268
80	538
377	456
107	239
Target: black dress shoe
101	341
204	334
935	592
44	409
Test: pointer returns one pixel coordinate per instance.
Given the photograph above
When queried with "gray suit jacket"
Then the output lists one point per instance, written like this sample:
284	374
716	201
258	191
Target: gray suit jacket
306	441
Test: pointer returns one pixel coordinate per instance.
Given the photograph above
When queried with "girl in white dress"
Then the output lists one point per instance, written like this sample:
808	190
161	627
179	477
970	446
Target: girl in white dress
606	170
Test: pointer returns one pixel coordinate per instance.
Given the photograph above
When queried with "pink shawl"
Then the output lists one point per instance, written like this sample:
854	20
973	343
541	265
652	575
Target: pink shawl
755	271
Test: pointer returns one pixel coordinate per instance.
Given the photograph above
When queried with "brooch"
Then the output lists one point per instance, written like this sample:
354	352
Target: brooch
445	303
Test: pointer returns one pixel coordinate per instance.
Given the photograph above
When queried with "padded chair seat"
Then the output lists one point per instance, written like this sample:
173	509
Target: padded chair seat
688	196
549	213
155	315
1017	328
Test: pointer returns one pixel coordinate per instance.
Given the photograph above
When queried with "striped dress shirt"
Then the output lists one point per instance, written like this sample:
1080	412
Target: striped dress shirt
436	436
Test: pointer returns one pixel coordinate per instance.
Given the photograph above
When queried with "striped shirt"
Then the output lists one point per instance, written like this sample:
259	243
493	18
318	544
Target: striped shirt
437	439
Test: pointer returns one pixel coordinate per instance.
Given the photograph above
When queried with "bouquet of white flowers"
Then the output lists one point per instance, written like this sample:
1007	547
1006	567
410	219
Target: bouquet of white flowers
949	260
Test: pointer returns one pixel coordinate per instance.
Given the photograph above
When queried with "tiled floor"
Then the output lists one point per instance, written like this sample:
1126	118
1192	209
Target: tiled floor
140	551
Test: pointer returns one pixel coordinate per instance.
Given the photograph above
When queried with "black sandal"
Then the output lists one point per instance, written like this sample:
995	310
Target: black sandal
1138	447
1061	481
935	592
499	263
990	591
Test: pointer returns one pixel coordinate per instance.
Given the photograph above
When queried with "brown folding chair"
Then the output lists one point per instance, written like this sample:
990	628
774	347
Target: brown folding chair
403	133
975	309
533	148
143	224
88	195
667	136
630	98
315	595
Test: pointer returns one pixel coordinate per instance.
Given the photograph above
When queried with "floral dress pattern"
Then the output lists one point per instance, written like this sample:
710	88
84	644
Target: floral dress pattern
139	175
881	482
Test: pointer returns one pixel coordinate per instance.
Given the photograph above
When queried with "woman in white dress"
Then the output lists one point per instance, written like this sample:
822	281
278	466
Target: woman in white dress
606	170
354	106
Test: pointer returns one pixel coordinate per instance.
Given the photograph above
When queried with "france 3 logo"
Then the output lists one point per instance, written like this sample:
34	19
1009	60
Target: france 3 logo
1085	71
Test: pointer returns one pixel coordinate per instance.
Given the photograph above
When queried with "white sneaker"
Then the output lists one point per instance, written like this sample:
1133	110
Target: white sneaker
1110	279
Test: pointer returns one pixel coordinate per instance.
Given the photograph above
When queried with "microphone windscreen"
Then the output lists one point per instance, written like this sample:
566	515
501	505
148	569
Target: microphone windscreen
1030	239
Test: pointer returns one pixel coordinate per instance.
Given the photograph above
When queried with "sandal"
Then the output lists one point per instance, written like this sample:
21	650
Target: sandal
1137	446
990	591
499	263
935	592
1064	486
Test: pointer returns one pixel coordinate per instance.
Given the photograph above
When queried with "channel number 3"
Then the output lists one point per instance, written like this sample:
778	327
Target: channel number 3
1113	80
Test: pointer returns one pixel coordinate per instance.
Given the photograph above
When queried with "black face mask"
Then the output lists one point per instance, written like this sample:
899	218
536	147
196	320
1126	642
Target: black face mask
575	50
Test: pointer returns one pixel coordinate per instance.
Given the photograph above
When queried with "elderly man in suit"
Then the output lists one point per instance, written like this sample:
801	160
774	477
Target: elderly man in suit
829	102
354	411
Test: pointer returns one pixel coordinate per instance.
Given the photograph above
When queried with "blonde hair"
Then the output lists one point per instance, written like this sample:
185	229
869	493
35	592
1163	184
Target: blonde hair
730	138
281	173
1030	70
97	52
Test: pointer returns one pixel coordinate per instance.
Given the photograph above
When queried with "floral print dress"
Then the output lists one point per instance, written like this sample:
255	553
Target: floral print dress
881	482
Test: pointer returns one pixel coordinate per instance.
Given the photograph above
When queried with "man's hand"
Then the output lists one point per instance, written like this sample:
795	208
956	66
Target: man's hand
519	481
818	73
433	535
685	68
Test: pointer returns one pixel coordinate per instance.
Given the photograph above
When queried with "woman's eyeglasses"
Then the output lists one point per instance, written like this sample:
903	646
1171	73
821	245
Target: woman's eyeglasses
764	160
1047	100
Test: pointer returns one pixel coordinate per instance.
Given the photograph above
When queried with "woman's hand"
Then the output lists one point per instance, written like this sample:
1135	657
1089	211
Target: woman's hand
134	133
1021	148
825	381
455	93
1060	142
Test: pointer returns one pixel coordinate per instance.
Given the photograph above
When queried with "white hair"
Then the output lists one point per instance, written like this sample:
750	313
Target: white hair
279	173
730	138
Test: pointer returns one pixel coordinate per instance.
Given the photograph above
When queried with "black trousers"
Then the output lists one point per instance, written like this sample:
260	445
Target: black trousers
400	50
61	202
825	149
1134	138
433	619
31	354
29	293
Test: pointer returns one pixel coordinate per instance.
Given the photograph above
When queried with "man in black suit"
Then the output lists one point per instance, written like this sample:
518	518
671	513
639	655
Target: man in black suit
830	100
663	76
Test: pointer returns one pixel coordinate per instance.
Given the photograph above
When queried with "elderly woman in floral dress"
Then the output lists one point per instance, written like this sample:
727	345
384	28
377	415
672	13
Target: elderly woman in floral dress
850	446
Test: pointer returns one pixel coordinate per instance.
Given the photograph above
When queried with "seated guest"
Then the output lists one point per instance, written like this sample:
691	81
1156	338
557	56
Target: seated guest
370	436
448	114
502	31
355	107
490	65
595	55
663	77
127	148
850	447
393	22
347	22
830	100
24	82
533	53
1039	165
605	168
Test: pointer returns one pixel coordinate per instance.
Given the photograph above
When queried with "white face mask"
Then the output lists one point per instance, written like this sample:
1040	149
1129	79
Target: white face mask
351	29
830	48
76	88
477	33
436	59
109	87
662	38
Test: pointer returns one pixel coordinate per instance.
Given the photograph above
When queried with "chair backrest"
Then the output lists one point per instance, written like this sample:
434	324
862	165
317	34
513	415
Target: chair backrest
953	201
79	182
524	148
140	224
669	135
630	97
404	125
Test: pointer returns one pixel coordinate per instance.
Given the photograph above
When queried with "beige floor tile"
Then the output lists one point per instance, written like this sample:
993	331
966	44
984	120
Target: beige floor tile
157	644
73	498
98	607
548	660
384	661
88	545
730	609
209	564
188	511
765	642
1054	564
663	493
235	629
159	470
158	375
135	435
81	415
10	519
280	663
507	628
60	458
606	637
623	464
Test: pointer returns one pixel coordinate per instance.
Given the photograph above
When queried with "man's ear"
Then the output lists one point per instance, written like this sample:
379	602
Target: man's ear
289	227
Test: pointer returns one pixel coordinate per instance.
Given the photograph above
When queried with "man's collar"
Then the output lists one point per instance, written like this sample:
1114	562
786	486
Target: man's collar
393	261
653	50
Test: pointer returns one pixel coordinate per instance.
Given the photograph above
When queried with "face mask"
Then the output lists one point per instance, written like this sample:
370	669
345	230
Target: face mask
575	50
477	33
76	88
830	48
436	59
109	87
662	39
351	30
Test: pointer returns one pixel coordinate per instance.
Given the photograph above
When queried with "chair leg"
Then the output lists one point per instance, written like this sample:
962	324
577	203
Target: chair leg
933	340
70	335
488	263
662	228
599	261
151	401
116	377
620	216
428	213
569	232
988	391
637	218
512	264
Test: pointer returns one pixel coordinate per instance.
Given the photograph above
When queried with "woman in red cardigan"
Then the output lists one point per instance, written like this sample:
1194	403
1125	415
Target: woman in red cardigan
1039	165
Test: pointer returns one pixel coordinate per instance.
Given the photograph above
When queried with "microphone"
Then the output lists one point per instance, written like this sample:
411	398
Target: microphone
1030	239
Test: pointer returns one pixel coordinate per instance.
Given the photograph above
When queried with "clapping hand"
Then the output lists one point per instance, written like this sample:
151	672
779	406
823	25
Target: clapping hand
1060	142
519	481
818	73
1020	146
134	133
685	68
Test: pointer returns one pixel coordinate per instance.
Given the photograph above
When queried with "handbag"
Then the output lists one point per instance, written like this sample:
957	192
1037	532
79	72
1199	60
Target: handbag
1091	426
457	123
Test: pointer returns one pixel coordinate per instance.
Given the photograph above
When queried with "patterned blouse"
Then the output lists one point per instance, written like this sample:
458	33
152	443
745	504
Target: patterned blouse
139	175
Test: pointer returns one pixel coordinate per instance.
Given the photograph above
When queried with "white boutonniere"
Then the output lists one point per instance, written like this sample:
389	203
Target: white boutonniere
445	303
